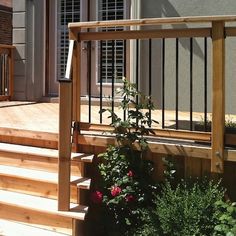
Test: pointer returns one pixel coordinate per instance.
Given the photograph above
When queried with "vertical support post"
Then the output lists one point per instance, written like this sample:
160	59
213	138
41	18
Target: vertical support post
11	73
218	97
65	119
76	87
65	123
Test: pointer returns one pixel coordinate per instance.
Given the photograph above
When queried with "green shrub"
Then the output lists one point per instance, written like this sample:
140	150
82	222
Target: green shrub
188	209
226	219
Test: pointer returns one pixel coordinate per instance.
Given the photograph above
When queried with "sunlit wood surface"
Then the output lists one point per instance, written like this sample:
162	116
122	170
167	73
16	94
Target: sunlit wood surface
44	116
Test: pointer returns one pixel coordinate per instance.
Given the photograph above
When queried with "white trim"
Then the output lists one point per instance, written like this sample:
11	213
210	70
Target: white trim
69	59
135	14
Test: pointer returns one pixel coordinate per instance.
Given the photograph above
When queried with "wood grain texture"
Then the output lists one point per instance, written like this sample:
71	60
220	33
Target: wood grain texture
64	147
153	21
218	97
145	34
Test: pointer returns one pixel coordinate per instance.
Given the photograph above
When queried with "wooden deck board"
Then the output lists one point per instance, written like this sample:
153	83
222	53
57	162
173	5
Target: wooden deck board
44	116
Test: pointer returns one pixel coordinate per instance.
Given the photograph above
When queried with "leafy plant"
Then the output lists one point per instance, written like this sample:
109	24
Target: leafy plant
127	186
188	209
226	218
229	122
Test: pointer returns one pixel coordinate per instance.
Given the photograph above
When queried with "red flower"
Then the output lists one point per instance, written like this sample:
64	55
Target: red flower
129	198
115	190
97	197
130	173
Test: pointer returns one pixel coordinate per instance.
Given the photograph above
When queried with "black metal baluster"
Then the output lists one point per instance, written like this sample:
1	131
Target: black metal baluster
89	79
124	70
163	83
177	86
191	84
113	76
150	79
101	106
205	84
137	71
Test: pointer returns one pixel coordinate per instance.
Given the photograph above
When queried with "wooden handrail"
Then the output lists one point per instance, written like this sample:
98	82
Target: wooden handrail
145	34
151	21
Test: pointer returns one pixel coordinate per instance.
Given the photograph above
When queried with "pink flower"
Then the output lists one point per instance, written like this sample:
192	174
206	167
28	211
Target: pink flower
115	190
130	173
97	197
129	198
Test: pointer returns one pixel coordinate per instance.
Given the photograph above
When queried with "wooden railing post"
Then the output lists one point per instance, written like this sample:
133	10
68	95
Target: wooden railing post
218	97
76	87
65	123
11	73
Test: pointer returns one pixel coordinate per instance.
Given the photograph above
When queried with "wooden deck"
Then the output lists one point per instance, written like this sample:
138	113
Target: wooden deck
44	116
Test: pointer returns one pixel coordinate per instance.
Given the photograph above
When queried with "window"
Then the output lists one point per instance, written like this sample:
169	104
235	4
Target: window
112	51
69	11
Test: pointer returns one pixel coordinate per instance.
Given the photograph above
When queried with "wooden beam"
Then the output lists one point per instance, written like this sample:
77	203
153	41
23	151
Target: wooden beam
165	133
230	31
4	97
65	119
146	34
162	147
153	21
218	97
6	46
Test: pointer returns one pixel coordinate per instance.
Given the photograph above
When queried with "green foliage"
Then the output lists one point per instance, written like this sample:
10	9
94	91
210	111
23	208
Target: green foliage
226	218
188	209
127	186
170	170
138	122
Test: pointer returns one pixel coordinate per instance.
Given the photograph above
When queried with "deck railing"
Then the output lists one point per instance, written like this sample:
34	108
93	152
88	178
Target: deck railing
133	31
6	72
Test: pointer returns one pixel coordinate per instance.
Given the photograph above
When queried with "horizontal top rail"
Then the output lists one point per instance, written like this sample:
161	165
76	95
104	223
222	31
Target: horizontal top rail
6	49
6	46
145	34
152	21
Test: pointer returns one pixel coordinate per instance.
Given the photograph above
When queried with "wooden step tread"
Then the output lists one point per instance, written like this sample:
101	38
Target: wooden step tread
39	204
43	152
42	176
11	228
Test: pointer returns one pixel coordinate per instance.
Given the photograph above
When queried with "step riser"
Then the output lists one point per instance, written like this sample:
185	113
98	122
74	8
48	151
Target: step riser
40	219
38	163
33	187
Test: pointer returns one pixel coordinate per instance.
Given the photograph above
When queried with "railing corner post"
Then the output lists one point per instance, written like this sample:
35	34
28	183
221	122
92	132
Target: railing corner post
64	144
218	96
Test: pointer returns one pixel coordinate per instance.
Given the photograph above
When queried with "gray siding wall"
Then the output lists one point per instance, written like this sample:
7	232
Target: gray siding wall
28	38
171	8
19	41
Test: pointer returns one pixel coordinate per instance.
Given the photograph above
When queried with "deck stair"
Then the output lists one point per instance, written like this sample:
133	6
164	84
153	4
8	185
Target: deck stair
28	189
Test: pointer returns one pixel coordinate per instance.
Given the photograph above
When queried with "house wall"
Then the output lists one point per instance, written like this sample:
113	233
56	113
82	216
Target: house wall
174	8
28	38
5	23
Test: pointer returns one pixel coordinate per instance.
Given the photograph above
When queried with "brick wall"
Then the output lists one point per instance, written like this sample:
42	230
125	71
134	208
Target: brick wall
6	3
5	25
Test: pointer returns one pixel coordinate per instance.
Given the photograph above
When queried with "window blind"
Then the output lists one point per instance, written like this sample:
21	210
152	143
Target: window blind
69	11
112	10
